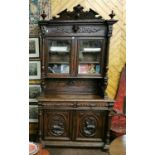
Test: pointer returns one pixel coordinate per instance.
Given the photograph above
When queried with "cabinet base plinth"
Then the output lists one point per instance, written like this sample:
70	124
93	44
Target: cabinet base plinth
73	144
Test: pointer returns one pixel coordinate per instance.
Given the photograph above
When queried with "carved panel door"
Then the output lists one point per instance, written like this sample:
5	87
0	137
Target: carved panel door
57	125
90	125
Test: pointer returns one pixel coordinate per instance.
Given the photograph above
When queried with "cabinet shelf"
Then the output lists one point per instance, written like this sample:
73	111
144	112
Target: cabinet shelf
90	52
59	49
58	62
91	49
59	52
89	62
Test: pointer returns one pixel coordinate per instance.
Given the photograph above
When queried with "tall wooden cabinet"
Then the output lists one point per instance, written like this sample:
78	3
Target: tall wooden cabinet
73	108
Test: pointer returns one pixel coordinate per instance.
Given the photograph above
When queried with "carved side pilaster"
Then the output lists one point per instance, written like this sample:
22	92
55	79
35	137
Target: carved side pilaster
42	49
109	117
110	28
106	61
44	30
40	124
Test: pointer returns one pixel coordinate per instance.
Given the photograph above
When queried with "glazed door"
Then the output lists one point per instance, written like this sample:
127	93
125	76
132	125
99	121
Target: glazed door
90	56
59	57
74	57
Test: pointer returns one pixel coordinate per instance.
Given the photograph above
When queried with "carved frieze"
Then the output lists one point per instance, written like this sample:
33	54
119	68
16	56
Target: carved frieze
73	29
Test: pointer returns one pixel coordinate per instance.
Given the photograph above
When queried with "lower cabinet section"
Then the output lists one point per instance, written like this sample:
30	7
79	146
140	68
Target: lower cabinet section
72	126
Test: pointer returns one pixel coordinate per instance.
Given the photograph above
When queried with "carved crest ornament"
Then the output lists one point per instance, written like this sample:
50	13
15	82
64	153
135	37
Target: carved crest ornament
77	13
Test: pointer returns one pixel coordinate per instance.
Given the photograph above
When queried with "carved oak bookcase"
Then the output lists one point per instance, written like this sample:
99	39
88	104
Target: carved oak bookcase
74	110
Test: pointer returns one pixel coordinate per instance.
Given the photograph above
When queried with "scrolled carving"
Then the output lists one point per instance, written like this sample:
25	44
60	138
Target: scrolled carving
88	29
75	29
77	13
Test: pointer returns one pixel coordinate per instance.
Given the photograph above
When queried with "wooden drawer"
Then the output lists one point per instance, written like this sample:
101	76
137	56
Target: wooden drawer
57	105
92	105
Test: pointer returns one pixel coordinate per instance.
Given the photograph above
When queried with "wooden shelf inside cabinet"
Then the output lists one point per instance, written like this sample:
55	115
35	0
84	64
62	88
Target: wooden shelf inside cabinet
57	62
58	52
58	75
89	62
93	52
90	76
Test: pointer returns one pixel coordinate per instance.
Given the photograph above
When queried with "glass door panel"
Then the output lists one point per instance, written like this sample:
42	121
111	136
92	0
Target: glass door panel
59	56
89	56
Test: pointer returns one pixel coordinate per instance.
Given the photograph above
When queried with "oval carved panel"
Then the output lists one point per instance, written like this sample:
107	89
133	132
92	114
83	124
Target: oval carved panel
88	126
57	125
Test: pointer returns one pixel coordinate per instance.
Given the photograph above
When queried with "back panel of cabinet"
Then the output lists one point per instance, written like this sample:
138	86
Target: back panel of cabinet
73	86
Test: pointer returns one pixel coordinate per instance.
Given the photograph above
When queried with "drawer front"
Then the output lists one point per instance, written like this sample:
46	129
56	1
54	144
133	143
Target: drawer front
90	125
91	104
57	124
57	105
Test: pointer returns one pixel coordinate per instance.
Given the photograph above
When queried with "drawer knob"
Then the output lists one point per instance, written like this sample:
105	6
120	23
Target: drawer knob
75	28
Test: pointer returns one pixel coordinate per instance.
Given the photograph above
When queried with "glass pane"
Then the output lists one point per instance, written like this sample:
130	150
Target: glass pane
59	56
89	56
89	68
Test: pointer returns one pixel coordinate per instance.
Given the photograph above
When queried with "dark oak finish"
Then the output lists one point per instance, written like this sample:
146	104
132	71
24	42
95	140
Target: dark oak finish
73	108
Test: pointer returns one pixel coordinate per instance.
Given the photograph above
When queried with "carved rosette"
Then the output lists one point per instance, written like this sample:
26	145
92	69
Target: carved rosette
57	125
88	126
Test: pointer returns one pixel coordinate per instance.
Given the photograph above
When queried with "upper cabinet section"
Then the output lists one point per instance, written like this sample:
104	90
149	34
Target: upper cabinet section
77	23
75	44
